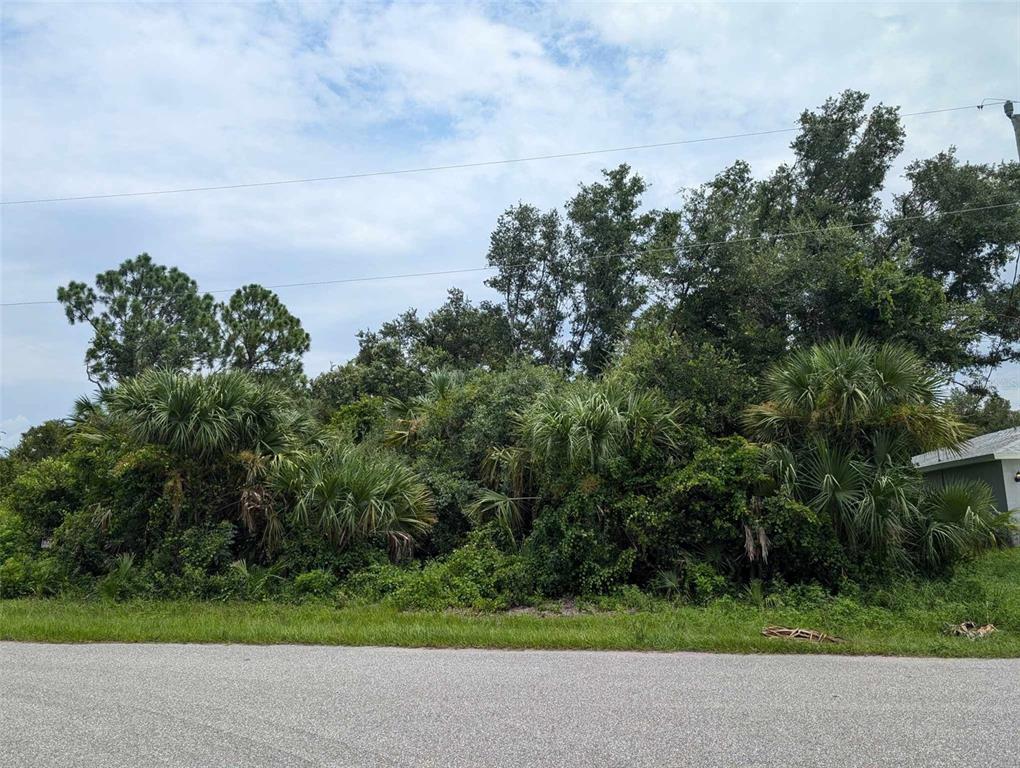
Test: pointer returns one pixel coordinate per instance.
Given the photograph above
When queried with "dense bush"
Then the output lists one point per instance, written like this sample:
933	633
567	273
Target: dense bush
842	421
495	488
583	433
480	575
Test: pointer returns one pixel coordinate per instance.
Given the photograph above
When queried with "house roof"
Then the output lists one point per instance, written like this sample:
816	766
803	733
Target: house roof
993	446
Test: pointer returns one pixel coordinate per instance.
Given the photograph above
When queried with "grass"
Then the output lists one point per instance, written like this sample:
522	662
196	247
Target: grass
905	620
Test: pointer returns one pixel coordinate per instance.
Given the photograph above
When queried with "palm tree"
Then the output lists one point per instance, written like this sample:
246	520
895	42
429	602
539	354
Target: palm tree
206	417
567	435
351	493
590	424
840	424
848	391
958	519
209	423
410	418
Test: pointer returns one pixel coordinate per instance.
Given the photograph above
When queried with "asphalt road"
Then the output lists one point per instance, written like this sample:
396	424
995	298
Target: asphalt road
180	705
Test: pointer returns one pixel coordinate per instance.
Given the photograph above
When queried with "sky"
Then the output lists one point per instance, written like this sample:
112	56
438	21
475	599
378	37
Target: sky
110	98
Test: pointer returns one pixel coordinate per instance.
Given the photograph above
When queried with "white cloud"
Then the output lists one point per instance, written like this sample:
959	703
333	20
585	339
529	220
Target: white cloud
12	429
111	97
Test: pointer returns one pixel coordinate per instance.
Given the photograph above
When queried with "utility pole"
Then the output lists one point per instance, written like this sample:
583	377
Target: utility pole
1015	119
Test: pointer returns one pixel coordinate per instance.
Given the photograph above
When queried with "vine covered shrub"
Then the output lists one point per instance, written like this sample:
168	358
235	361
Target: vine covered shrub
479	575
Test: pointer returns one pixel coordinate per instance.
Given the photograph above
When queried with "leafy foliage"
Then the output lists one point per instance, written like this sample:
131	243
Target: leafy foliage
260	335
841	424
350	493
577	434
143	315
958	520
984	413
205	416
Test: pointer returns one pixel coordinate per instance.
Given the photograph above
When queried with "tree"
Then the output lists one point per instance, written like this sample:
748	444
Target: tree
44	441
967	254
396	360
457	334
841	423
964	252
205	418
527	249
726	270
709	387
380	370
217	438
989	412
461	335
842	157
604	238
714	281
143	315
351	493
846	392
579	279
260	335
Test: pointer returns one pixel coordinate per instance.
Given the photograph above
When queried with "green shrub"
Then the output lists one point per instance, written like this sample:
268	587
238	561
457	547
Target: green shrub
478	575
305	549
23	570
317	583
80	543
625	598
208	548
42	494
352	494
48	576
361	420
803	546
123	581
452	493
13	537
377	582
242	581
15	580
702	582
710	387
572	550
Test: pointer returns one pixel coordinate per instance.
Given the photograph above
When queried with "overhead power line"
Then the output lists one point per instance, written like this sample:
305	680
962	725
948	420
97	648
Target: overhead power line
451	166
634	252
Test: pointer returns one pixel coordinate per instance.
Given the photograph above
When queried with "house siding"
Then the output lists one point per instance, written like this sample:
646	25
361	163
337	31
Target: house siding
991	472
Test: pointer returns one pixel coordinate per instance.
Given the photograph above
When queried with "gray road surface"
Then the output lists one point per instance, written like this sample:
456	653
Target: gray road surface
180	705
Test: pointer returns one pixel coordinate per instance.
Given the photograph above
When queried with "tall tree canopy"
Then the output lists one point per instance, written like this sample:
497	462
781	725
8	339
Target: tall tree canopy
572	286
749	267
604	237
394	360
736	276
260	335
143	315
526	247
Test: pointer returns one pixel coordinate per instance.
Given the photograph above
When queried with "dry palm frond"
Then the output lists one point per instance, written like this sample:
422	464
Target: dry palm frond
800	634
756	543
969	629
101	517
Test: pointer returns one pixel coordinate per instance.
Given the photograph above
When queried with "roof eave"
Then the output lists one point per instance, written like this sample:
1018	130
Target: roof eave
958	462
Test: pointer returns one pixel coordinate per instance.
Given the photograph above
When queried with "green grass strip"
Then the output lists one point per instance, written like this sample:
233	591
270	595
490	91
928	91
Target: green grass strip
905	620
